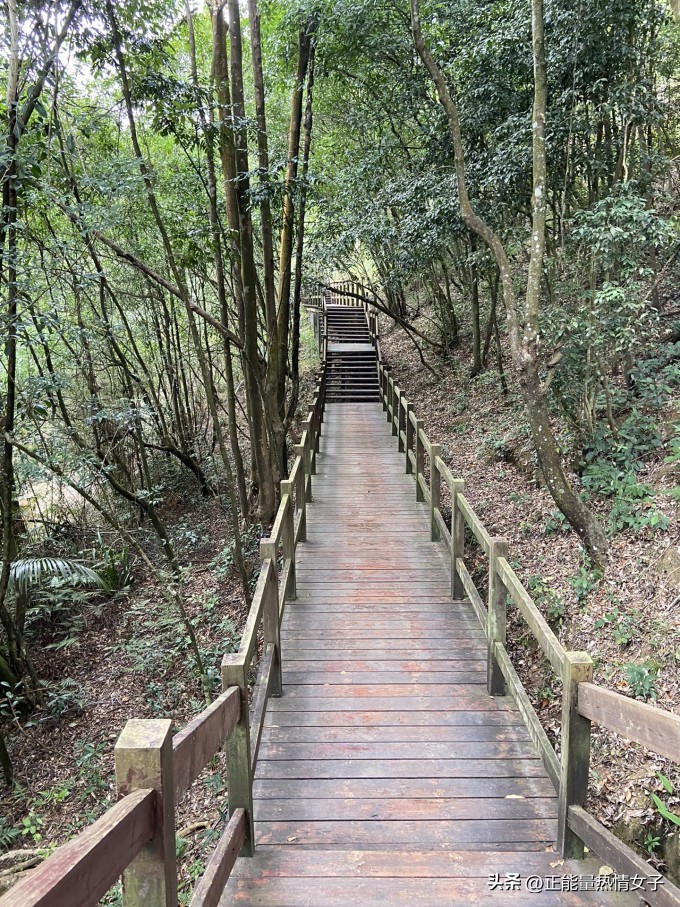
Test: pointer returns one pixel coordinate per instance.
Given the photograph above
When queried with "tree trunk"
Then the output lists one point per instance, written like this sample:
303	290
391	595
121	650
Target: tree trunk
299	242
263	165
268	472
522	327
6	762
476	329
287	231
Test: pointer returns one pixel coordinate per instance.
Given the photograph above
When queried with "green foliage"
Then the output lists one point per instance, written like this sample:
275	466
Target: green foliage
585	582
90	779
115	570
64	698
556	523
547	598
9	835
623	626
661	807
651	843
30	827
633	506
222	564
34	571
642	680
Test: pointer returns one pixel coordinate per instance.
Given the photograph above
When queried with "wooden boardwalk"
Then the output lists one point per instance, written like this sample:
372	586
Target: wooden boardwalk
386	773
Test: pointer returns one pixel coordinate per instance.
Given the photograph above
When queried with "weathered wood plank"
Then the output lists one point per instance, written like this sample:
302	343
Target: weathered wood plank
398	734
360	788
485	750
82	871
466	700
526	767
335	655
393	691
442	833
198	742
420	718
299	862
209	890
400	892
403	809
473	674
654	728
620	857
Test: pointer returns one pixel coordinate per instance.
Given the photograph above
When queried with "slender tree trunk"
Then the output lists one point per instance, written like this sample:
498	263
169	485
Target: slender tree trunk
263	166
476	328
6	762
268	472
288	229
184	293
19	660
220	280
522	327
300	239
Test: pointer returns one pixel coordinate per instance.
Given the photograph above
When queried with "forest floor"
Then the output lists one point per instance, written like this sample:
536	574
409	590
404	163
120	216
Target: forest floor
630	618
128	657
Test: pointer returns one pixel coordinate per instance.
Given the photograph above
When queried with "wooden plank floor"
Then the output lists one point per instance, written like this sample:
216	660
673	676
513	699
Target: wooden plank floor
386	774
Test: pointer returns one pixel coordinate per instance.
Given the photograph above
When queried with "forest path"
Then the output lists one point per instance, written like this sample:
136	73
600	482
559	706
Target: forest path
386	773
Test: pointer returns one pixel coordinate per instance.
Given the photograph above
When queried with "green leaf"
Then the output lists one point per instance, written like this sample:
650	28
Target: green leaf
32	571
666	783
665	811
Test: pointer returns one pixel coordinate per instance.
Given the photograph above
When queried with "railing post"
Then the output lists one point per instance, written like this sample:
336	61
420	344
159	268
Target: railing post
310	468
313	439
271	624
401	424
301	489
577	668
457	539
390	398
239	770
496	621
385	385
435	492
420	458
288	540
143	755
409	439
396	402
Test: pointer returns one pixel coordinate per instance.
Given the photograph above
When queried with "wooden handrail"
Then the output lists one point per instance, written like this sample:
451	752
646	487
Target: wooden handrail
544	636
620	857
654	728
582	701
79	873
196	744
209	890
475	524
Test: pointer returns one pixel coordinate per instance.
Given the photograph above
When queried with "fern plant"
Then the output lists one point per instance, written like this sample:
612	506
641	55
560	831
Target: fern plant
28	573
33	571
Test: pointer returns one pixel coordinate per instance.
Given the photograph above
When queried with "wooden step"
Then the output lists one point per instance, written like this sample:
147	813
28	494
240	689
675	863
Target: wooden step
297	876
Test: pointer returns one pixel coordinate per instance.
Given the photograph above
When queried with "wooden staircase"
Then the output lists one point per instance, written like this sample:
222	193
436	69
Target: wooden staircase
351	371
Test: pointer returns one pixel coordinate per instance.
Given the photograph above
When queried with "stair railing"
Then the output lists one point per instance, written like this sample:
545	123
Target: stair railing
154	769
582	700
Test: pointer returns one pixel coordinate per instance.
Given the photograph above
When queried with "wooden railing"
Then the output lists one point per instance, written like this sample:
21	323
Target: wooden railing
154	769
582	700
